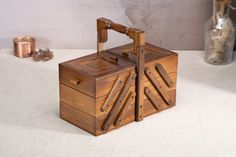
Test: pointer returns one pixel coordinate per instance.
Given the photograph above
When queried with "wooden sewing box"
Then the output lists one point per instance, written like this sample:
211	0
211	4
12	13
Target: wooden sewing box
112	88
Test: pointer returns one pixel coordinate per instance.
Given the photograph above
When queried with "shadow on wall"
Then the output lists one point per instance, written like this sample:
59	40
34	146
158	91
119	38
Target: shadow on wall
169	24
172	25
233	16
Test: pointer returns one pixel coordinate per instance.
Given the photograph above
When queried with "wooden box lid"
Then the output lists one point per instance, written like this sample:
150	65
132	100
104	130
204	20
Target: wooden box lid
152	52
95	66
94	75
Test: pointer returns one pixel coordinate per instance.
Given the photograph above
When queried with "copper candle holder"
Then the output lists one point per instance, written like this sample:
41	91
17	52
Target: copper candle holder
24	46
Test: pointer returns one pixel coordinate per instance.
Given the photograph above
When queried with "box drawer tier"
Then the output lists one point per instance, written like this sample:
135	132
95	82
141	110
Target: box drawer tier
93	75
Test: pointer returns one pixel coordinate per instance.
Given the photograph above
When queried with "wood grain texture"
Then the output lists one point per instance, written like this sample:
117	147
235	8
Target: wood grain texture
67	75
152	52
149	109
164	75
161	64
100	88
104	24
111	94
93	125
153	56
152	98
95	76
92	105
89	123
78	118
156	84
124	110
119	102
140	84
86	103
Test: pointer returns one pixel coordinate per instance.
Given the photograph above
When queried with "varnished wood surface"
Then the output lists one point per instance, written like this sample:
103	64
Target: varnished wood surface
105	84
104	24
101	86
78	118
152	98
119	102
152	52
140	84
94	125
94	66
149	109
111	94
93	105
125	108
164	75
157	85
101	73
84	102
169	63
89	123
69	76
95	87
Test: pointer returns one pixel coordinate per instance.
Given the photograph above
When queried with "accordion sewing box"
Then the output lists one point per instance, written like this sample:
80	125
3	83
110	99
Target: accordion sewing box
112	88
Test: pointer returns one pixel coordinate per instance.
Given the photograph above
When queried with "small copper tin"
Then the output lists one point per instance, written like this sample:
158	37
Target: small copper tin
24	46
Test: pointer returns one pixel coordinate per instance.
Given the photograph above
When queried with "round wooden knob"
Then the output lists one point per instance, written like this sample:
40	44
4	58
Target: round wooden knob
75	82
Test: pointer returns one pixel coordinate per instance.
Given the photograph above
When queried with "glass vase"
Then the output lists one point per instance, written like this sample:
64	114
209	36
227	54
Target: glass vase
219	34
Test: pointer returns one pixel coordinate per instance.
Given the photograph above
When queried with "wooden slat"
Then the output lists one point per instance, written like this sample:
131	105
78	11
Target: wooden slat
152	98
170	63
118	102
124	110
158	87
149	109
112	94
104	84
164	75
140	85
94	124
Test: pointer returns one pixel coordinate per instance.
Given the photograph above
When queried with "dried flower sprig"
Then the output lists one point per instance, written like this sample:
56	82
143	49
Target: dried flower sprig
227	3
43	55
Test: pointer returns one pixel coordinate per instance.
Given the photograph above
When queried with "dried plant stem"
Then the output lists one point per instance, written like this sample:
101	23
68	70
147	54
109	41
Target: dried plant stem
214	13
220	37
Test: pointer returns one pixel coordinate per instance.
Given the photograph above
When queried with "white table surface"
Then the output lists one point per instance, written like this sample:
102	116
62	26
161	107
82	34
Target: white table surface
203	123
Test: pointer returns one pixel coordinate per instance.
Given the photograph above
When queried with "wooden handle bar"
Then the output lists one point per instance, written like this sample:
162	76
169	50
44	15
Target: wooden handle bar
104	24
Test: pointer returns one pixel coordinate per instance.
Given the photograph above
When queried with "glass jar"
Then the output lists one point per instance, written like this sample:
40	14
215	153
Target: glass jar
219	34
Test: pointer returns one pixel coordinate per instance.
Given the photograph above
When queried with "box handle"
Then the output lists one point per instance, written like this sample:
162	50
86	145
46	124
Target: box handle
138	37
104	24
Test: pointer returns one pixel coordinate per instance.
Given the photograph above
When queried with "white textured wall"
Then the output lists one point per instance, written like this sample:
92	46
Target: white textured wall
72	23
58	23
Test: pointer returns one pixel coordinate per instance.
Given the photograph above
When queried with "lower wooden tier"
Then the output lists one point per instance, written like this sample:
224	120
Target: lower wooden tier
94	125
